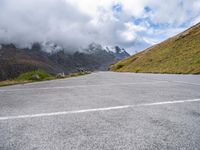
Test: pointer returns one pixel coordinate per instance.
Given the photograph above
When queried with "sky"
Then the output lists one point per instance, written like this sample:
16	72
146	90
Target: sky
131	24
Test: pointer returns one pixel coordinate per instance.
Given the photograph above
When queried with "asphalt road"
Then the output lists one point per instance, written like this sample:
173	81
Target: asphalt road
104	110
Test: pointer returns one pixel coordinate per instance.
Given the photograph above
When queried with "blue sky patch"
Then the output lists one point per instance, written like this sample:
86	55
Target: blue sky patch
117	8
147	9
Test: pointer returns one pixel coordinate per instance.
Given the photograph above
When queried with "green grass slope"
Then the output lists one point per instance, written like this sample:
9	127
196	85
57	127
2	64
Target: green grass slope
27	77
179	55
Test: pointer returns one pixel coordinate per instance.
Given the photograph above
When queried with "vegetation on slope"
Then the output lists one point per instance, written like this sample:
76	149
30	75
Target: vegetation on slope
180	54
35	76
28	77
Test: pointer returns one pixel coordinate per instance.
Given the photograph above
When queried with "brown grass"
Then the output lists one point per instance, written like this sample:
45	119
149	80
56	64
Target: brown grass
179	55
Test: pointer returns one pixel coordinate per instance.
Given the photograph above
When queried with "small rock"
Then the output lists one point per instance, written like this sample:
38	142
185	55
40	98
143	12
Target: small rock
35	77
81	70
60	75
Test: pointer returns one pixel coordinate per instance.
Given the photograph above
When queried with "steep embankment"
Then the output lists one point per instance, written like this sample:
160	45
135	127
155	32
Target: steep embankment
179	54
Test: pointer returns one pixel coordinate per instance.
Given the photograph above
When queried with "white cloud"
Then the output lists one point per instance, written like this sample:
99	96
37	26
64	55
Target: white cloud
75	23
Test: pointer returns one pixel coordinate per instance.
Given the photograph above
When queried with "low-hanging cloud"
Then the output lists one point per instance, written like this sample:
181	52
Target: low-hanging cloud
132	24
26	21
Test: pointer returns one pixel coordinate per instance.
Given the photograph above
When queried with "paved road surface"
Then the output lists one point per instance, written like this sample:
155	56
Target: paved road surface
104	110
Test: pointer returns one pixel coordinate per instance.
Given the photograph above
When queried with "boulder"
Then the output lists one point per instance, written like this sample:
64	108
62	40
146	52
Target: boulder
60	75
35	77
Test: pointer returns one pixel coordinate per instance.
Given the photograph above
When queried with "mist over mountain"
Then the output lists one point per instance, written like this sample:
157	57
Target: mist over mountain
55	59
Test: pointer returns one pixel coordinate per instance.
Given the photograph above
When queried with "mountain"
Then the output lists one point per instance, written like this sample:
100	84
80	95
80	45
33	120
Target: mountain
118	52
54	59
179	54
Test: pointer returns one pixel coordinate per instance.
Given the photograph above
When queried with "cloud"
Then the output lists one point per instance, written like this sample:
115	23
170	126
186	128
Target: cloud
132	24
24	22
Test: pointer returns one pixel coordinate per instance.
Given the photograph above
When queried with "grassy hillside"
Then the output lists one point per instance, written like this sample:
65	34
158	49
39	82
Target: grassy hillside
28	77
179	54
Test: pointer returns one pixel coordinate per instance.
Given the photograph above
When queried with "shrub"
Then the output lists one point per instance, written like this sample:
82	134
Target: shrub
119	66
29	75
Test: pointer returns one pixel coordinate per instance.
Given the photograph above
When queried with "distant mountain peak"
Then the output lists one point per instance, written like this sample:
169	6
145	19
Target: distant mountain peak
119	53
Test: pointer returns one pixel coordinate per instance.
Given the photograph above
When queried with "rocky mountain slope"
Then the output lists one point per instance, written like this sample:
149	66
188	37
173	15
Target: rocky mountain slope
54	59
179	54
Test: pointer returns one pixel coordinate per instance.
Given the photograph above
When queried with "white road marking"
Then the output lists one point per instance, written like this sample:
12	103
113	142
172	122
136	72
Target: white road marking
185	83
75	86
171	81
95	110
169	102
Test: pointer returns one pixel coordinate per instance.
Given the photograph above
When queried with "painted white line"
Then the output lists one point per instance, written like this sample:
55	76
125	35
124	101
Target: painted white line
169	102
185	83
75	86
171	81
95	110
63	113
